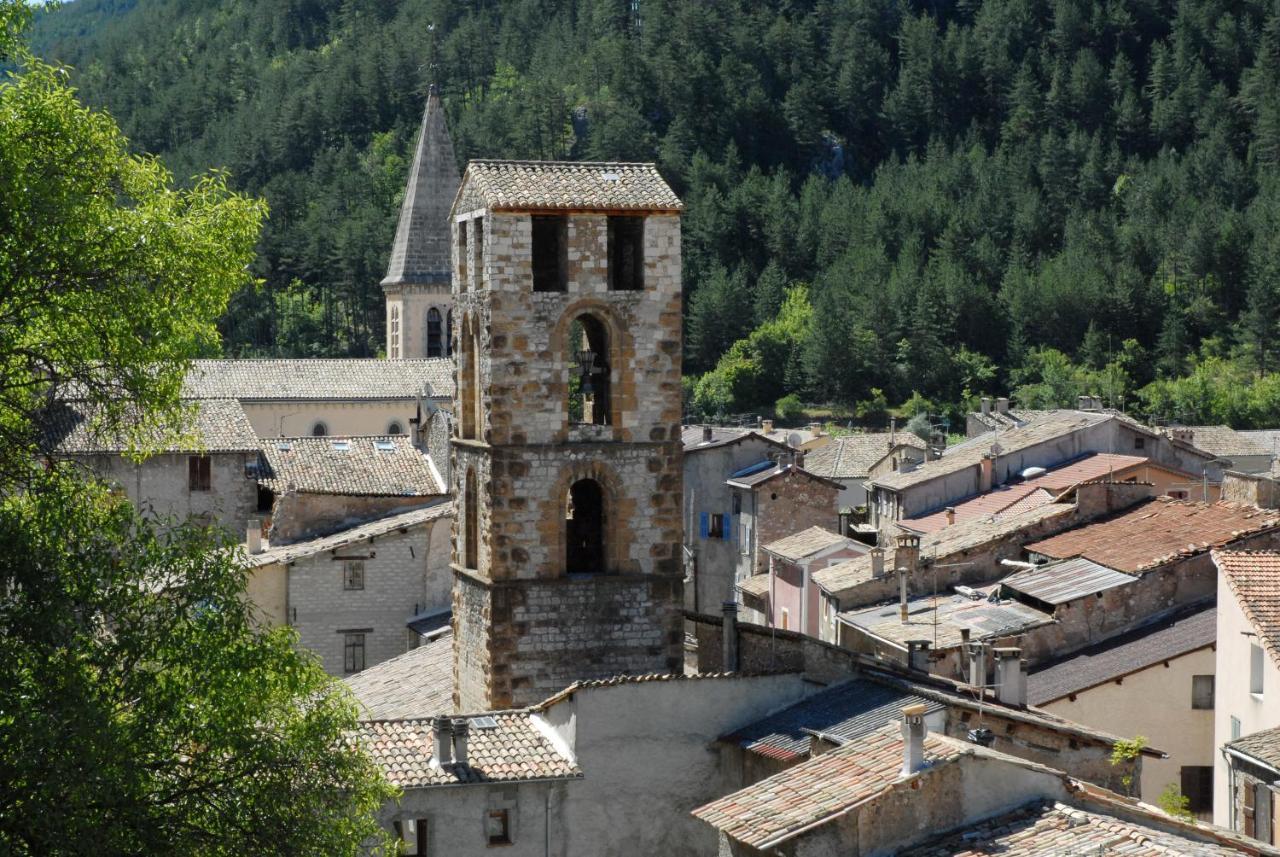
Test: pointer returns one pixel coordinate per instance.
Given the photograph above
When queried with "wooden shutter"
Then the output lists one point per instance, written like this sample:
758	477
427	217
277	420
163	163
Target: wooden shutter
704	524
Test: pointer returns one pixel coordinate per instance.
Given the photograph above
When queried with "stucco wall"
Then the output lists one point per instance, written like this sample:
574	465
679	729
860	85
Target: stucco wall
648	760
1232	696
456	817
275	418
159	487
1156	703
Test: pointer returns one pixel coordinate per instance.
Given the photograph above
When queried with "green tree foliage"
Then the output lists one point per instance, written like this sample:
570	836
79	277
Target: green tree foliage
953	180
143	711
111	280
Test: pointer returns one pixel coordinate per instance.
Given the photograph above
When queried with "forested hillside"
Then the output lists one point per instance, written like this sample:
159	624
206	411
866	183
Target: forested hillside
884	198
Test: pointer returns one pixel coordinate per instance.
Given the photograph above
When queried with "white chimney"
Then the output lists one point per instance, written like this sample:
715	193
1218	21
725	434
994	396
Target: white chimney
253	536
913	731
1002	405
977	653
442	732
877	562
1011	677
918	655
460	730
986	405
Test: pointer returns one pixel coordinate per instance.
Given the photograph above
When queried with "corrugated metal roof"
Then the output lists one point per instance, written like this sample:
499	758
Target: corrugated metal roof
1059	582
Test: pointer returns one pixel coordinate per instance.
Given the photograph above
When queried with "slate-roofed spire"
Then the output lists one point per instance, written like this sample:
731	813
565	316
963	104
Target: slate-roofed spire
420	254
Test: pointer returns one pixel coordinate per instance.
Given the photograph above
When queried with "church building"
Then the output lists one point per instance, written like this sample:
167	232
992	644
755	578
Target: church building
419	306
567	441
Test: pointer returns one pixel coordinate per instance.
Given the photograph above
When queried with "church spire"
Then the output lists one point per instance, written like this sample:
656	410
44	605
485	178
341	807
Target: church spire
420	255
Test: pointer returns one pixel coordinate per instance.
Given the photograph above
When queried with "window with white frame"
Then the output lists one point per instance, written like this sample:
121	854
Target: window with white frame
1256	665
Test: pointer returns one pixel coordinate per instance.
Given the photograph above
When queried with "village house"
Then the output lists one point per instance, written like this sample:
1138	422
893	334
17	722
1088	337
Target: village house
904	790
361	595
851	459
980	464
786	594
711	455
202	470
1156	681
1247	453
1247	692
322	397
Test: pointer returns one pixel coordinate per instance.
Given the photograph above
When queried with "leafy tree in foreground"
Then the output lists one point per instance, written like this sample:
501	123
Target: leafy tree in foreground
111	280
141	712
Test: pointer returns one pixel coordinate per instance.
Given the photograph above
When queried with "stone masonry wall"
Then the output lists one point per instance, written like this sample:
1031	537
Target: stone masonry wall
403	573
787	505
159	486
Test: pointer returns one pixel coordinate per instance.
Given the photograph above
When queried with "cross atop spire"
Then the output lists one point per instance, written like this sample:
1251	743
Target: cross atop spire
420	253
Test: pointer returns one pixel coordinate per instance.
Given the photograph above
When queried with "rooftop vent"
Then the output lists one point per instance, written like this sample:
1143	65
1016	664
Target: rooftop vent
610	176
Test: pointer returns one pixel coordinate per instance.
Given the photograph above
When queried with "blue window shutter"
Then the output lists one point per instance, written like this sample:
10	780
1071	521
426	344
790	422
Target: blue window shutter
705	524
728	528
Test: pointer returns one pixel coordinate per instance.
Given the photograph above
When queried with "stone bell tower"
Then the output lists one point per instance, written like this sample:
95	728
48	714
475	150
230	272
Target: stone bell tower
567	452
418	300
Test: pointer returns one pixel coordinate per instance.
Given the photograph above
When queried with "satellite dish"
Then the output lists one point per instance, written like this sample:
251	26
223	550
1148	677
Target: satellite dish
794	439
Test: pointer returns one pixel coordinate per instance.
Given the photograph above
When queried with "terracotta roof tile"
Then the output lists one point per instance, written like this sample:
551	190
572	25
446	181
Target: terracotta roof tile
212	425
356	466
310	379
513	749
1254	578
775	808
570	185
352	535
852	456
1156	532
1051	828
417	684
806	543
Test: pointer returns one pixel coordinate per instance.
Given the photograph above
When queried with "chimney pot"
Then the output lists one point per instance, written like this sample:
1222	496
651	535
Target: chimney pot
951	515
985	468
1011	677
766	426
877	562
253	536
918	655
729	634
442	733
707	434
913	732
461	730
986	405
1002	405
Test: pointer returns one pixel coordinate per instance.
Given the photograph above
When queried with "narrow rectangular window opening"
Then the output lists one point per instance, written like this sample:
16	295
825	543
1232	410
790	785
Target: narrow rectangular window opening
550	253
1202	692
464	283
498	827
352	651
477	252
716	530
353	574
1256	665
412	833
199	473
626	253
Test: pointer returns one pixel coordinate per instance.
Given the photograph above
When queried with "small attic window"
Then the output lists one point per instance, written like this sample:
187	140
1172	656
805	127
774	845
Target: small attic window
384	445
284	446
610	176
341	445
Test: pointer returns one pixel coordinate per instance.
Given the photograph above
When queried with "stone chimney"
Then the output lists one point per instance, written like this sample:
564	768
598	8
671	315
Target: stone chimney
1011	677
977	653
1002	405
986	405
253	536
1183	434
442	733
707	434
1082	403
877	562
461	728
766	426
815	429
918	655
951	515
985	468
729	636
908	554
913	732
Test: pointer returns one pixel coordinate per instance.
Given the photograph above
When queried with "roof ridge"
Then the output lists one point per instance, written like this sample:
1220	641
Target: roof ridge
562	163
